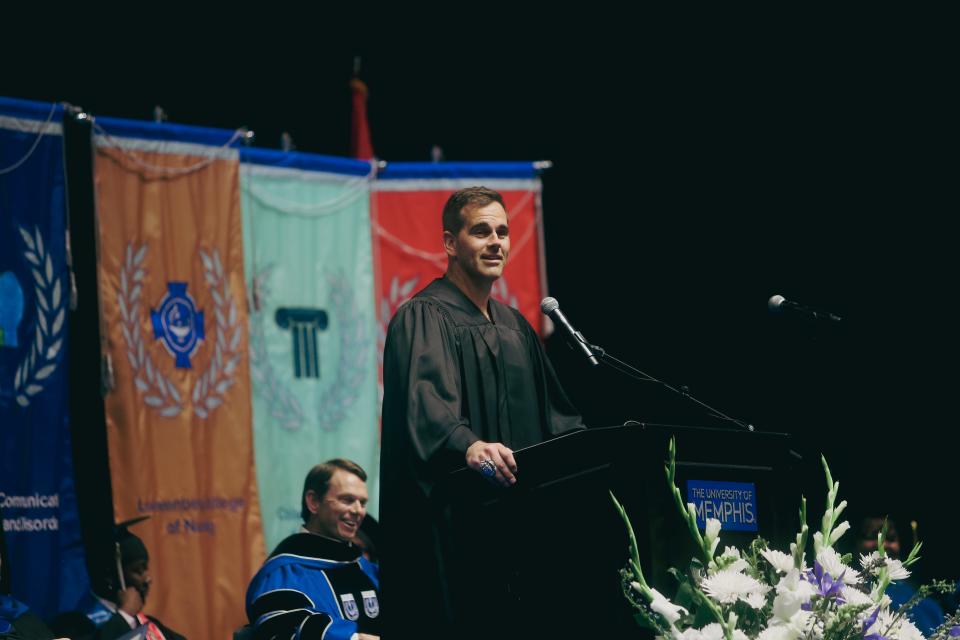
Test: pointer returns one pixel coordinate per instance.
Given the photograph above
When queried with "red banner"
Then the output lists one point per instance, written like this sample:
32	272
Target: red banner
408	243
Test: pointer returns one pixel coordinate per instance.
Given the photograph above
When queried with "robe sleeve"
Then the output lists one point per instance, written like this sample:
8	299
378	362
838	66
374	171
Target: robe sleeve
422	386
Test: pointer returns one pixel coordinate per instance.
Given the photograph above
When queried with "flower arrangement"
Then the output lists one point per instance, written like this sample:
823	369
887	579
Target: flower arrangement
766	594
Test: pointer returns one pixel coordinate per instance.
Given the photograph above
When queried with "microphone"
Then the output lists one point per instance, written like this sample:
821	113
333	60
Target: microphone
550	307
779	304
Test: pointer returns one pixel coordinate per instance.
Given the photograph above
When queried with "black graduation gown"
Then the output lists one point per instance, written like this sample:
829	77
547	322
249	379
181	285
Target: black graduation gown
451	377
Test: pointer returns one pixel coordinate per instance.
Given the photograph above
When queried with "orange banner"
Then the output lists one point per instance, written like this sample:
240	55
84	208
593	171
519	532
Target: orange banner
174	309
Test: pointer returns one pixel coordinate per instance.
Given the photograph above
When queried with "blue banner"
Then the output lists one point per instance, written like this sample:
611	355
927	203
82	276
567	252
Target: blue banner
734	504
41	526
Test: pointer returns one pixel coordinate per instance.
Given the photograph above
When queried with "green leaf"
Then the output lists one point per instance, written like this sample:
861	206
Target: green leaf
684	597
643	622
703	617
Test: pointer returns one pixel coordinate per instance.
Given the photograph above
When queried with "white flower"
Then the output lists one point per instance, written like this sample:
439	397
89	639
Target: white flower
839	531
778	632
755	600
730	552
902	630
786	605
790	629
896	570
792	594
778	560
728	586
874	562
712	529
908	631
831	563
870	561
711	534
730	560
669	611
817	541
854	596
712	631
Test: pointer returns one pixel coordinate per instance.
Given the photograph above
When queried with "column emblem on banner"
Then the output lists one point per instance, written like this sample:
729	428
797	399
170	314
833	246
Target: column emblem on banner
343	392
40	360
179	324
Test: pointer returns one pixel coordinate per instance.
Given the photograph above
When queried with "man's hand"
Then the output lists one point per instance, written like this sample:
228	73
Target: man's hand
500	456
130	600
367	636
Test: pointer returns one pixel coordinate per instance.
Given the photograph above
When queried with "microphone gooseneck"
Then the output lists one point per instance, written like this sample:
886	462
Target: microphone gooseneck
551	308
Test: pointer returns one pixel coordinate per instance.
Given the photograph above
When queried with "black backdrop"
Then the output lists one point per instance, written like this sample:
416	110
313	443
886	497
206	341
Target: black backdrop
691	182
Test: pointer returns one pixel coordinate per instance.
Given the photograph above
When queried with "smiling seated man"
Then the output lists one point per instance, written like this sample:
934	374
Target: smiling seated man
316	583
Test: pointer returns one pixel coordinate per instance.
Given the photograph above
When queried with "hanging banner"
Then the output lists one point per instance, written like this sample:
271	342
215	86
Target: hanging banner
174	310
38	504
312	324
408	236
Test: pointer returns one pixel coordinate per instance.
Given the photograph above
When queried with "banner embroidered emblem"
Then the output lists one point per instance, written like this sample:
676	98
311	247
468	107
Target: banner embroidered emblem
303	324
40	360
178	323
159	391
354	348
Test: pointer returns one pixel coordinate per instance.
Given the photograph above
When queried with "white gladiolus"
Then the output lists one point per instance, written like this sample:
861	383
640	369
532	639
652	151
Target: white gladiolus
792	593
713	528
839	531
670	612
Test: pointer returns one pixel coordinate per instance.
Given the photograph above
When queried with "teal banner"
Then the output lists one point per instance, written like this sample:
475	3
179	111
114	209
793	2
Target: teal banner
312	331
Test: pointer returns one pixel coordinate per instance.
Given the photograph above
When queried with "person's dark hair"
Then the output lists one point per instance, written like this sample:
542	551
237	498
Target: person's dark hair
318	479
468	198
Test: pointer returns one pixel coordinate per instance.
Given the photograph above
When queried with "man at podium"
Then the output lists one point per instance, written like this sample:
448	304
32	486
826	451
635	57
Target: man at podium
466	381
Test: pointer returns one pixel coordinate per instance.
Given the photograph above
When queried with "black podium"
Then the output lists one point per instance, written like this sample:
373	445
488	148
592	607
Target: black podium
551	547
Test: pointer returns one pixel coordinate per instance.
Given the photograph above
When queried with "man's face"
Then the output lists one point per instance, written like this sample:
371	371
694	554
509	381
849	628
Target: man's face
891	544
481	246
137	575
339	513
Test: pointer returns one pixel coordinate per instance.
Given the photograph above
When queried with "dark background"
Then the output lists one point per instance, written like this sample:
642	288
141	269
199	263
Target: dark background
693	178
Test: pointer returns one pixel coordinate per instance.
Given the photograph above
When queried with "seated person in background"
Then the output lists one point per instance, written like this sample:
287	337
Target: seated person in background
927	614
368	539
16	620
316	583
117	607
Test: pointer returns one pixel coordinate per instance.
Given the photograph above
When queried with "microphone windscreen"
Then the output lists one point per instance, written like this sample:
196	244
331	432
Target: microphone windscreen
549	305
773	304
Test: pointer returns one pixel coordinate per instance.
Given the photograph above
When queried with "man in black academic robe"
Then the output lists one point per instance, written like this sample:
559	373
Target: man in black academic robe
466	381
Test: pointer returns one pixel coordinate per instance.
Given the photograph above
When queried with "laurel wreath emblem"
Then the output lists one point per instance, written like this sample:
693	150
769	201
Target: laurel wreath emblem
354	348
211	388
284	406
41	361
337	400
159	391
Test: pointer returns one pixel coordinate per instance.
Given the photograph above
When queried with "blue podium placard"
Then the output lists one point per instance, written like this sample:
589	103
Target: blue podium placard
734	504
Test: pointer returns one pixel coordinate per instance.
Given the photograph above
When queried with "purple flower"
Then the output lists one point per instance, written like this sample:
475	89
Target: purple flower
955	631
827	586
871	619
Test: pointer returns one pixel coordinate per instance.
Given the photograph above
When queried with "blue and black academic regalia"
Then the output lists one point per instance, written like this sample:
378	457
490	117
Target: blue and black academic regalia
312	586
